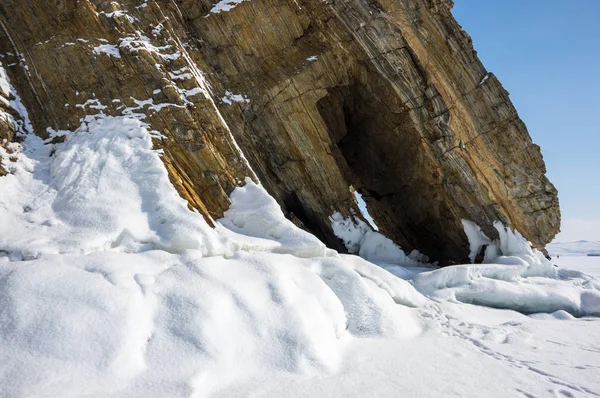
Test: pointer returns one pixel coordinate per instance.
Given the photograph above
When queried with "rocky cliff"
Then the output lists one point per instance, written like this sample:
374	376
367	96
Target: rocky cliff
313	98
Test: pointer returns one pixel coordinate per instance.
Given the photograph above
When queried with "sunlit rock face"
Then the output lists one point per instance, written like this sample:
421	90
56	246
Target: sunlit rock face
310	97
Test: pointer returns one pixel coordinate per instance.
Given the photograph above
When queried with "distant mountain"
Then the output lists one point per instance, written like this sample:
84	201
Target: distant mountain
579	248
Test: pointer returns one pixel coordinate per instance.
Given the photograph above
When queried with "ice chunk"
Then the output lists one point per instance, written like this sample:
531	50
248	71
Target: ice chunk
477	238
360	239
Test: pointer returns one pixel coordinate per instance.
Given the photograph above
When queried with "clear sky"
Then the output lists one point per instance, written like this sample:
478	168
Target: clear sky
546	53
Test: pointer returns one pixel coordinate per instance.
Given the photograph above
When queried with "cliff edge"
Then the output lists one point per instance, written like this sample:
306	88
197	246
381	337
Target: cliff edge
315	99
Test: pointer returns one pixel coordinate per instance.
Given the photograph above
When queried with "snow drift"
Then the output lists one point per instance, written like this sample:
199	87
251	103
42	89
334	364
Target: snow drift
110	286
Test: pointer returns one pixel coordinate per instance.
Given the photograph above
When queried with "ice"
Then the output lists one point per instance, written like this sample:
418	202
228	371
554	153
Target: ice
477	238
520	279
585	264
362	206
579	248
360	239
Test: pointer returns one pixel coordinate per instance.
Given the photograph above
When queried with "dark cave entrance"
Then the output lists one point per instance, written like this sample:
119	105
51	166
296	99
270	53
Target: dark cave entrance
380	152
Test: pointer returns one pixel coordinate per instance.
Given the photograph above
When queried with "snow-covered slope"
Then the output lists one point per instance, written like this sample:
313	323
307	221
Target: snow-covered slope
111	287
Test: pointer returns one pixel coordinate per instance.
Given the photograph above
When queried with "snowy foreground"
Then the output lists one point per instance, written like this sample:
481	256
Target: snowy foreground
111	287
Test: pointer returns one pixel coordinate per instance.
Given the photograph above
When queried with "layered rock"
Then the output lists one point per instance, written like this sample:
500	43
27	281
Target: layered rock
315	97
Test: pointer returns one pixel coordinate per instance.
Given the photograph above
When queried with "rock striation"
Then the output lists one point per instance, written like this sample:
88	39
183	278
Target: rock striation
315	99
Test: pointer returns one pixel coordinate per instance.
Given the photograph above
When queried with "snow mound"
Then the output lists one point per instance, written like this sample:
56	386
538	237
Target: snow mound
255	214
111	286
157	324
520	278
104	188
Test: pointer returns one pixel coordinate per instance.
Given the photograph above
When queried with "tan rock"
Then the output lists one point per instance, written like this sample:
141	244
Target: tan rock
385	96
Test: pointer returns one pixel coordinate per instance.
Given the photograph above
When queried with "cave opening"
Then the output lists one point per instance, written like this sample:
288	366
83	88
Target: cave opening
378	148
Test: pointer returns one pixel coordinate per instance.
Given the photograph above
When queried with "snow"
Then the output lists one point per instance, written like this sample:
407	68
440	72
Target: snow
256	214
108	49
118	14
484	79
360	239
579	248
103	188
23	124
92	103
109	278
230	98
138	42
4	83
111	287
225	5
520	279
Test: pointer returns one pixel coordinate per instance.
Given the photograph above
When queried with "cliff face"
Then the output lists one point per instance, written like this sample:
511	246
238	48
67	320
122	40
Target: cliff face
314	97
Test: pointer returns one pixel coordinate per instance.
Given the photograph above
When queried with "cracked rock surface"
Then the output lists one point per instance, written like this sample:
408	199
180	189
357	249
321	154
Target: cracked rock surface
311	97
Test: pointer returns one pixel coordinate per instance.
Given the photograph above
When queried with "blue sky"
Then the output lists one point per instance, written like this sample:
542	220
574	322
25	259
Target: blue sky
546	53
